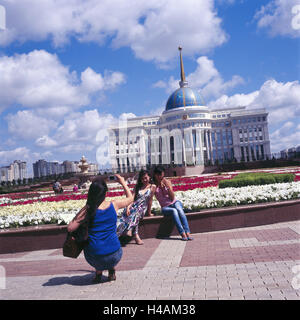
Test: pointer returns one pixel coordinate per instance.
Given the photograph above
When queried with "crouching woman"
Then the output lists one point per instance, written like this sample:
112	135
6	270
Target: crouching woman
103	250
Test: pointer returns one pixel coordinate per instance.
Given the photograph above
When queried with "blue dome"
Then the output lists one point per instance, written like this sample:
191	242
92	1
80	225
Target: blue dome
184	97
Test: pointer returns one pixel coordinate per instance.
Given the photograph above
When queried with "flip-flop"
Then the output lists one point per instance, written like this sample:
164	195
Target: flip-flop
184	239
190	238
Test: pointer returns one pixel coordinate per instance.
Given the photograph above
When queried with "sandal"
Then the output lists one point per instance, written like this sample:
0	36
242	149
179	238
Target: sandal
97	278
111	275
138	240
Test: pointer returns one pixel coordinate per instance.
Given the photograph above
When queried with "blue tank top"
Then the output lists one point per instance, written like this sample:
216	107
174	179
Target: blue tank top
103	237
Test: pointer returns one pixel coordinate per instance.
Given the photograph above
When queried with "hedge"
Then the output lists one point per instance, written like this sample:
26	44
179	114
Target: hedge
259	178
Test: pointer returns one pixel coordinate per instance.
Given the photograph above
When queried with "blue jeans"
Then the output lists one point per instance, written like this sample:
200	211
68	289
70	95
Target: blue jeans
104	262
176	211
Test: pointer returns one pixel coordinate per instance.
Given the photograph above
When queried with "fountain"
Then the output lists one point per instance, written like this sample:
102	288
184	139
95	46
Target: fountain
83	165
84	176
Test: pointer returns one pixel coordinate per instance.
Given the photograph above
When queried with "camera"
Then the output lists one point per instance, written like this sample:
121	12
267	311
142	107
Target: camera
112	178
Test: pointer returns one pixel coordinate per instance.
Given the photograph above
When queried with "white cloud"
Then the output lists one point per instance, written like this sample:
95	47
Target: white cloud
7	156
210	82
75	148
233	101
39	80
281	101
86	132
93	82
287	136
277	17
80	132
283	130
45	142
125	116
160	84
26	125
153	29
82	127
206	78
113	79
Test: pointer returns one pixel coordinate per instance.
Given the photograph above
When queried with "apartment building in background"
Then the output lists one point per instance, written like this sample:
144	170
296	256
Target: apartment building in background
15	171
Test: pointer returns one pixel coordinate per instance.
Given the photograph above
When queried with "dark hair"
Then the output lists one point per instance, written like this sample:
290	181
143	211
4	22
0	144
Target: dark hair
158	170
96	196
139	183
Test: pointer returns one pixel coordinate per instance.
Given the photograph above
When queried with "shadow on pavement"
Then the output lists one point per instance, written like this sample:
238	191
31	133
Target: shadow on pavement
80	280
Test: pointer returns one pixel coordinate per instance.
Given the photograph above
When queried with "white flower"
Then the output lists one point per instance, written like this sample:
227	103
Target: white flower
197	199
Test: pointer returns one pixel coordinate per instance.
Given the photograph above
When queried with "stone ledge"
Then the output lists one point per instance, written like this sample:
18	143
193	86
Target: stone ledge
217	219
53	236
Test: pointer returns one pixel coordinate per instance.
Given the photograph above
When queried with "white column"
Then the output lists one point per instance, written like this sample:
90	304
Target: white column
266	141
207	145
166	158
154	146
183	148
188	146
211	145
178	147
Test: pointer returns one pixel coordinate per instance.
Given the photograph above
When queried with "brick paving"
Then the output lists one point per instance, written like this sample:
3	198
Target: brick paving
243	264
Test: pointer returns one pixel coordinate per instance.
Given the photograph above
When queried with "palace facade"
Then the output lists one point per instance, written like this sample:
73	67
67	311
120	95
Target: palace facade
188	134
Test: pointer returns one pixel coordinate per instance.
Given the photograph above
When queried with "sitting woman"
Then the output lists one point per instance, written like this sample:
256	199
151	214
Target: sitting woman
103	250
134	213
57	188
169	204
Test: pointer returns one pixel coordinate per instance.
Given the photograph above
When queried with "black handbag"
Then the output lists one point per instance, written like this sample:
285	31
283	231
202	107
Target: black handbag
75	242
71	247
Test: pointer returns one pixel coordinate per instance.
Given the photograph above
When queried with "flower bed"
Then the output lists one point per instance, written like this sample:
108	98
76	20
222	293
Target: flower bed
216	198
63	211
196	193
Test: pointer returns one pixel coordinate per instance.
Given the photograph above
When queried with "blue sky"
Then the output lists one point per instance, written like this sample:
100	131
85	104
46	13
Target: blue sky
71	68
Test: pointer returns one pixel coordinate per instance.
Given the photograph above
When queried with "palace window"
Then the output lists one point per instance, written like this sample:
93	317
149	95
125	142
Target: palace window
262	151
242	153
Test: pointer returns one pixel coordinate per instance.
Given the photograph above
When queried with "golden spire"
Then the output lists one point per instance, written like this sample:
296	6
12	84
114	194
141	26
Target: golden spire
183	82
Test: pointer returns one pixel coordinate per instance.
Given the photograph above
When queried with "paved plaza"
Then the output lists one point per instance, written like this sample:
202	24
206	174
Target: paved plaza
249	263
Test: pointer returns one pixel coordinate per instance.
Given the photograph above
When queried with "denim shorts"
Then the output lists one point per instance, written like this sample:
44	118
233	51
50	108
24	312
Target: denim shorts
104	262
